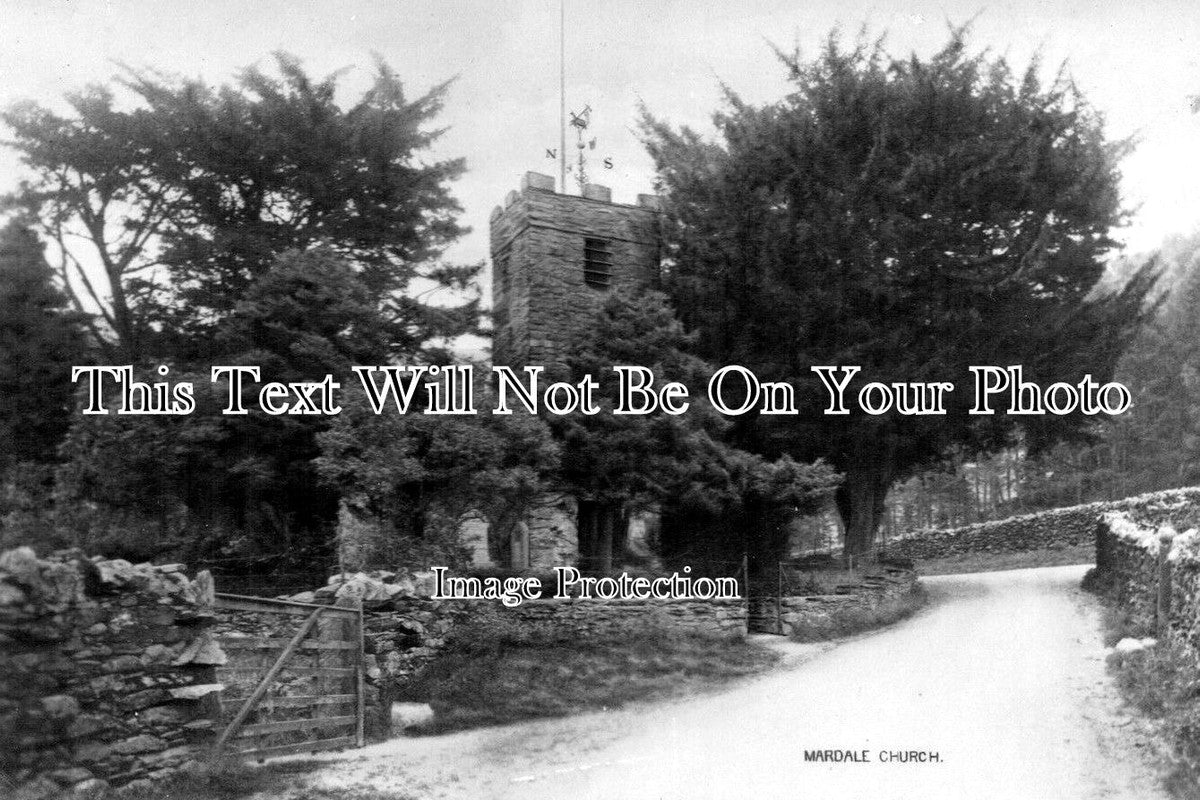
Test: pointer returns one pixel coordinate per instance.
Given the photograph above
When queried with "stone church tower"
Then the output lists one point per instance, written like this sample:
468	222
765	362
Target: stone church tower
555	259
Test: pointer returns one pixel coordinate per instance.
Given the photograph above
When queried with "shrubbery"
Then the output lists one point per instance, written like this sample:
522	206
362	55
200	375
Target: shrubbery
498	673
1161	681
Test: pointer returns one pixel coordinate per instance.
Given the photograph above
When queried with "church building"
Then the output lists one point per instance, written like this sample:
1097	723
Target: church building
555	259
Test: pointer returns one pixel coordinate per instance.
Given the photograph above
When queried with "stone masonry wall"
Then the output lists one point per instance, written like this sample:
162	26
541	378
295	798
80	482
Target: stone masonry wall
400	641
1132	566
111	673
403	629
539	296
1183	602
812	611
1150	569
583	618
1057	528
106	671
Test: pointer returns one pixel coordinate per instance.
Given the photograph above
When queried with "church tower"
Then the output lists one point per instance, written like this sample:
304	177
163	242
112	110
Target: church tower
556	258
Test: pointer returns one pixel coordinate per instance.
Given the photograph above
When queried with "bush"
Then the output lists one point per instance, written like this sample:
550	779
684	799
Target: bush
501	672
1161	681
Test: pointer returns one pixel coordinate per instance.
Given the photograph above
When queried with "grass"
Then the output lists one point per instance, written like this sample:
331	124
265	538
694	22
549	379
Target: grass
230	778
995	562
851	619
1161	682
499	674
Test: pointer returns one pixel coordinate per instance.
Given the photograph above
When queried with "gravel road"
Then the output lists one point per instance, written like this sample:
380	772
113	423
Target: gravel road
1002	677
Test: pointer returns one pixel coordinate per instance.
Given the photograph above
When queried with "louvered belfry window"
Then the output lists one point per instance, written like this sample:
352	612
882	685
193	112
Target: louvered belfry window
597	263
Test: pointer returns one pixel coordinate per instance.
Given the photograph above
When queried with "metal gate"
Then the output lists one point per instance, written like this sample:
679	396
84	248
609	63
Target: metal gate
296	689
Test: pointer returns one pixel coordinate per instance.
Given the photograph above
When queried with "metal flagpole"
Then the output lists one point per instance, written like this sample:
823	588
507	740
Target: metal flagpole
562	96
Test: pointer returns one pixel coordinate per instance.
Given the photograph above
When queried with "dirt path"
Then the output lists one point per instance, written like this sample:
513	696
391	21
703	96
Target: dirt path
1003	677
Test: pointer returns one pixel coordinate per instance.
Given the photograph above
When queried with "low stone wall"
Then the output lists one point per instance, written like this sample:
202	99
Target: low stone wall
110	673
106	671
1054	529
408	633
814	611
1183	603
399	641
1150	569
583	618
1131	565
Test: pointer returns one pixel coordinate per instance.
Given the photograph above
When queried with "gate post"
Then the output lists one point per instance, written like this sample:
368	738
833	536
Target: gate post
1162	600
360	709
779	599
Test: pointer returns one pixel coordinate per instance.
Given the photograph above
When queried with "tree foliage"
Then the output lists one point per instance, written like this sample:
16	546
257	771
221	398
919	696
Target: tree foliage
911	216
264	222
231	484
415	475
717	501
100	205
188	196
1157	444
40	340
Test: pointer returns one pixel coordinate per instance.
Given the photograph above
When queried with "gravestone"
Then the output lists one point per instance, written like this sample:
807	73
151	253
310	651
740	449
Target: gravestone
473	533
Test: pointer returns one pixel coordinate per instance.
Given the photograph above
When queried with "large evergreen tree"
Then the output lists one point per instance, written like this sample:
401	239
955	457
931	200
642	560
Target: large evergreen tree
1157	444
269	221
611	462
718	502
185	193
241	484
40	340
911	216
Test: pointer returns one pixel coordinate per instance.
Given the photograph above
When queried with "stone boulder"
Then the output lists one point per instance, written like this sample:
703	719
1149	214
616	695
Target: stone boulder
377	589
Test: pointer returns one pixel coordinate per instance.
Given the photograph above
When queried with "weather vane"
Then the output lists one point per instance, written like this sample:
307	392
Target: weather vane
580	123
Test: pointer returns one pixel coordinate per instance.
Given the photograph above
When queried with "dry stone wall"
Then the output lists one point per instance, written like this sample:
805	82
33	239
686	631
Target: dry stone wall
540	297
106	671
1055	529
583	618
111	673
402	639
1148	562
1183	602
403	629
800	612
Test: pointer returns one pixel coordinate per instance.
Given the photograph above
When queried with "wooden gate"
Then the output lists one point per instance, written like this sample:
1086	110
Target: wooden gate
765	604
294	679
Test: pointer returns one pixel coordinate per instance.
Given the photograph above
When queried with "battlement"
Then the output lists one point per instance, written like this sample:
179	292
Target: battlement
557	257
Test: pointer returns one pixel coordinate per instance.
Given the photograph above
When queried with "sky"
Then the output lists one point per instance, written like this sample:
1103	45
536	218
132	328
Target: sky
1138	62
